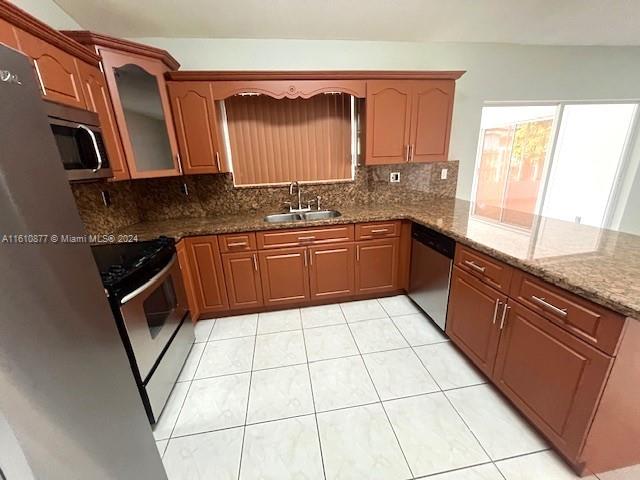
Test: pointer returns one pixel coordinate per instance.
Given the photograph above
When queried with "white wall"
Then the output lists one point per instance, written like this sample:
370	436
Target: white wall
494	73
48	12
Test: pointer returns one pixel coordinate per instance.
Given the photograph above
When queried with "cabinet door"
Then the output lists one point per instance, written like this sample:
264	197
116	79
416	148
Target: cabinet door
473	318
553	377
377	266
187	278
285	276
141	105
8	35
331	271
56	70
98	100
242	277
208	276
196	123
432	107
388	113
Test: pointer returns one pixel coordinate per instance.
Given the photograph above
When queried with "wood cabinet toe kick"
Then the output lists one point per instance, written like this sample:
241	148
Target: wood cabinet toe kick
564	362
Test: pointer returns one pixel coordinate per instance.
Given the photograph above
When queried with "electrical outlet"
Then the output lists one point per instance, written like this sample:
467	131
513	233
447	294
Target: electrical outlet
443	173
394	177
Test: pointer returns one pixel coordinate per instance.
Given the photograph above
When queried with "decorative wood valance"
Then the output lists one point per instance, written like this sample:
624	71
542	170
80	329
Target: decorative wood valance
22	20
288	88
92	39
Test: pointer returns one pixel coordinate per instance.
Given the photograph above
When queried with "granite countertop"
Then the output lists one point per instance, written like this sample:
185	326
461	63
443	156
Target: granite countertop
598	264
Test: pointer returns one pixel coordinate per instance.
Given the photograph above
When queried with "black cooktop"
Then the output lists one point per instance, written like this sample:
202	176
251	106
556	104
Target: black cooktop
127	265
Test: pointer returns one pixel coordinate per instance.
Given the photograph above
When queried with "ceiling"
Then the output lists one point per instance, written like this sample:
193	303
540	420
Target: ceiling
549	22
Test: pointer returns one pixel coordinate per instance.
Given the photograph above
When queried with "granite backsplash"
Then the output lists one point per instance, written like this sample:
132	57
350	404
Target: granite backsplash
210	195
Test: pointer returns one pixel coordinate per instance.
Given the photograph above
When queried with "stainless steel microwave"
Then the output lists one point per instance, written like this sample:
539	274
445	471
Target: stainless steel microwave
79	140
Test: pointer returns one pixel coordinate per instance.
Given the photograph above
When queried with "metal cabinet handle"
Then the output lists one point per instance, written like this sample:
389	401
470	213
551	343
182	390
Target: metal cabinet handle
357	253
504	315
94	142
310	258
305	259
303	239
380	230
475	266
218	161
44	90
255	262
562	312
495	310
406	153
412	149
179	162
236	244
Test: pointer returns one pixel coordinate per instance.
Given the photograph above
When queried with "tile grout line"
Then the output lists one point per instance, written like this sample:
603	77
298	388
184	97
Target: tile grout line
380	398
313	400
246	411
443	393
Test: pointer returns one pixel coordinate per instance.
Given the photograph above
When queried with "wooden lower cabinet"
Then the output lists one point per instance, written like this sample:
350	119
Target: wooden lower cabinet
473	319
331	271
284	275
242	277
551	376
376	267
208	277
187	278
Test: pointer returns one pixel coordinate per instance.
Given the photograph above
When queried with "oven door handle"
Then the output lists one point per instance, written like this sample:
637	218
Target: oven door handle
153	280
95	145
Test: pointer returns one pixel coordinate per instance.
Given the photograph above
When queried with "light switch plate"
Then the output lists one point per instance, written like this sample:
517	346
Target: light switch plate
394	177
443	173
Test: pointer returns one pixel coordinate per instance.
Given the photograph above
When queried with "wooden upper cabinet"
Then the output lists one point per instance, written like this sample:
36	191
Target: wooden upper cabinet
553	377
377	266
242	278
141	106
431	120
207	272
98	100
388	114
285	277
474	318
331	271
408	120
8	35
57	70
196	124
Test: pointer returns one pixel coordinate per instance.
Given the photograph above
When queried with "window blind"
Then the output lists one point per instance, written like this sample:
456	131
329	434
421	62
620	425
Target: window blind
281	140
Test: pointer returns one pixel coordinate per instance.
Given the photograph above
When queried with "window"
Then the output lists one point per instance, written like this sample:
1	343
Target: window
276	141
562	161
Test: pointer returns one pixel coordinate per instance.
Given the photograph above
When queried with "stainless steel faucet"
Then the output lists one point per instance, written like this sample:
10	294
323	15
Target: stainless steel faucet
299	208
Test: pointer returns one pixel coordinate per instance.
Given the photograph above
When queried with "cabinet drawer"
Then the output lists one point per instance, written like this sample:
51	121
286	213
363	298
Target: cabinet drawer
592	323
490	270
237	242
369	231
309	236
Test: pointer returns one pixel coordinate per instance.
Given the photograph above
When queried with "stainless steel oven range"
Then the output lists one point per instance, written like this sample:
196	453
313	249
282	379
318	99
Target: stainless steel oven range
148	300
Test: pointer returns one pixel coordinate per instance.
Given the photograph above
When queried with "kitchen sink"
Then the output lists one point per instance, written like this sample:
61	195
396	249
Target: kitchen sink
300	217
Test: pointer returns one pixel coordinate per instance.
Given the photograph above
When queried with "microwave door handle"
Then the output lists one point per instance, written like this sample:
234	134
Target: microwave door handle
95	145
149	283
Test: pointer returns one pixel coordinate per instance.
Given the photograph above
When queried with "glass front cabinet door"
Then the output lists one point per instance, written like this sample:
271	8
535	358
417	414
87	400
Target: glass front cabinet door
143	114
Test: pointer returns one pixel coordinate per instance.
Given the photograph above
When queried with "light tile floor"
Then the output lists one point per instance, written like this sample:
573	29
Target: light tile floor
361	390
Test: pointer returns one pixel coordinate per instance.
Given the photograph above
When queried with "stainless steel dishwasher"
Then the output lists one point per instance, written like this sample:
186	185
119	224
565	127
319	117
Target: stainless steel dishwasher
431	262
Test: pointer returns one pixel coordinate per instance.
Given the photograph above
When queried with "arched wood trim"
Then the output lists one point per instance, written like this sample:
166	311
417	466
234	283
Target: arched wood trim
287	89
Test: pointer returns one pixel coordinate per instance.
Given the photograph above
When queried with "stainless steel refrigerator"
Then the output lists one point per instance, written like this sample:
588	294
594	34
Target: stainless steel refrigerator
69	406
